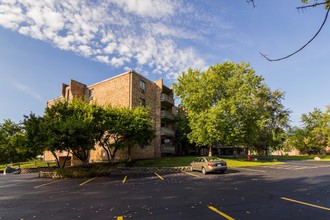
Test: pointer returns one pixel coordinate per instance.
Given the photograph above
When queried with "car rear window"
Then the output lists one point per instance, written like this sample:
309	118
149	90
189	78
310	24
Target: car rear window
213	159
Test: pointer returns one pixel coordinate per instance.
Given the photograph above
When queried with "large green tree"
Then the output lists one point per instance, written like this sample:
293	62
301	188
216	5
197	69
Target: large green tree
313	136
140	131
316	130
182	129
35	132
13	143
44	133
122	128
273	130
73	127
76	127
225	104
65	126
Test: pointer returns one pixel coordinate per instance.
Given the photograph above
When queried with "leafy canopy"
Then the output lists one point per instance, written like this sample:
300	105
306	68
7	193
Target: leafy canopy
226	104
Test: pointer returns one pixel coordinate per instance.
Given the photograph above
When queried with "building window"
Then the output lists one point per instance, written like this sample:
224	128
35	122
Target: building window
91	94
142	86
142	102
68	94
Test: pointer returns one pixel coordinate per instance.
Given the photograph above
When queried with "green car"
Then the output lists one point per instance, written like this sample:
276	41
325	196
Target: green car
208	164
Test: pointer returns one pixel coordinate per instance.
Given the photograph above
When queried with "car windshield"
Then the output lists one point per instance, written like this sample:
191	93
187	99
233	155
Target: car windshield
213	159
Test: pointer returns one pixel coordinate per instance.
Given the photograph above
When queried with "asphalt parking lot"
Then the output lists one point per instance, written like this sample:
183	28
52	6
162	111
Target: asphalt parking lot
294	190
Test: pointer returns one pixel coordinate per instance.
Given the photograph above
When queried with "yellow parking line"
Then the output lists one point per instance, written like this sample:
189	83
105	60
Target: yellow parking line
305	203
124	180
191	174
159	176
81	184
220	213
49	183
120	218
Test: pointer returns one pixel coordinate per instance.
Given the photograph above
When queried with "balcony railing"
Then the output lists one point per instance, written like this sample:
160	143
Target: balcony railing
167	149
167	99
167	132
166	115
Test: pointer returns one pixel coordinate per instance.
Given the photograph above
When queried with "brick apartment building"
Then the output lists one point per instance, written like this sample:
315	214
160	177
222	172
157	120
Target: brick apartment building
129	89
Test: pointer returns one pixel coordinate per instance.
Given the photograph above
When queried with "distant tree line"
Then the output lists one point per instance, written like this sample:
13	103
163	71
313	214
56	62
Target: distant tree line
75	127
313	136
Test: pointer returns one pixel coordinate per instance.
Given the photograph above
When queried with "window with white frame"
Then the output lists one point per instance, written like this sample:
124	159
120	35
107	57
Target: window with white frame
142	86
91	94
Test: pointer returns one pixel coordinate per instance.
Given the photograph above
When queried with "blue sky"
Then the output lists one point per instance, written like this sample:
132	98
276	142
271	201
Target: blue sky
47	43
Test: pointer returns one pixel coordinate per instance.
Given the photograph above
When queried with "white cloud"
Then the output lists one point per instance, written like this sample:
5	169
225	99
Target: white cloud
110	48
10	16
126	68
85	50
117	61
147	8
114	32
103	59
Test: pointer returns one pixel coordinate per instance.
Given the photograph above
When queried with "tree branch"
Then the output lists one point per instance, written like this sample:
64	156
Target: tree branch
297	51
313	5
252	2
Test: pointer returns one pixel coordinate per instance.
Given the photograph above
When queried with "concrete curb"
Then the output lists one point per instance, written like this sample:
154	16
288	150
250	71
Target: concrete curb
147	170
127	171
37	169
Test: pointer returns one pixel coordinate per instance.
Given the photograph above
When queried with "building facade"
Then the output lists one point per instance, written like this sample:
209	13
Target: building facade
129	89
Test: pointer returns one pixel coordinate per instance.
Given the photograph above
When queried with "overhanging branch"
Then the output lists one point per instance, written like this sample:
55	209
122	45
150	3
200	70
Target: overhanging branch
301	48
252	2
313	5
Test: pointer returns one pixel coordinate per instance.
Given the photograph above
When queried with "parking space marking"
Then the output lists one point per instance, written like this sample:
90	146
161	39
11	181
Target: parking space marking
49	183
159	176
305	203
191	174
81	184
124	180
220	213
296	167
263	171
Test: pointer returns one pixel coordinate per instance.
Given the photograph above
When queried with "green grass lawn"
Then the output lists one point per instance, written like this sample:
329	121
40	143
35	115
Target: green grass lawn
301	157
30	164
186	160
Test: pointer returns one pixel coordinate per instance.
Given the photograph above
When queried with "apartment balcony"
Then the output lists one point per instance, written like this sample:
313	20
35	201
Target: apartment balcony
167	132
165	115
165	149
166	100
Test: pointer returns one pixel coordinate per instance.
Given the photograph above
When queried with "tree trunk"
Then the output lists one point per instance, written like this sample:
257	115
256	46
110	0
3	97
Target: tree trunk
66	158
56	158
210	150
82	157
112	159
86	157
108	155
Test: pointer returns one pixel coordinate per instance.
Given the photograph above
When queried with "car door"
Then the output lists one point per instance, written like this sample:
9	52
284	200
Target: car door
202	163
199	164
196	164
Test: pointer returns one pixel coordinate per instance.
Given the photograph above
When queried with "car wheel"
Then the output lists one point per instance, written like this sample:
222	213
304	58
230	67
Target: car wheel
203	170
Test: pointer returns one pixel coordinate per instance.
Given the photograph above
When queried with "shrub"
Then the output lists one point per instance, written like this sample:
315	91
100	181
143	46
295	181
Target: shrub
79	172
